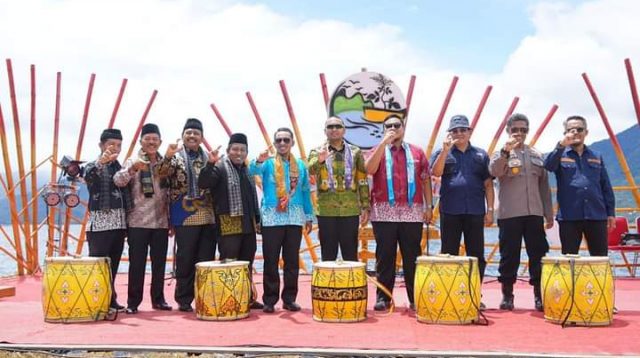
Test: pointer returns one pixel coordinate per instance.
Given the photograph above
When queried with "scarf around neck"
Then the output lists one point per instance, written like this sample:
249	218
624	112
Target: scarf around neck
411	180
348	168
281	185
192	158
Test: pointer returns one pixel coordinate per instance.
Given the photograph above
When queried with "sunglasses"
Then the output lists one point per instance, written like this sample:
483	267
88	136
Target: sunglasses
283	140
523	130
393	125
576	129
459	130
334	126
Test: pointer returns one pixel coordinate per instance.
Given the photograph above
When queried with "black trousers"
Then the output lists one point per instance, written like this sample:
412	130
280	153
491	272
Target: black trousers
194	244
286	239
108	244
142	242
512	230
595	231
472	226
339	231
388	235
239	247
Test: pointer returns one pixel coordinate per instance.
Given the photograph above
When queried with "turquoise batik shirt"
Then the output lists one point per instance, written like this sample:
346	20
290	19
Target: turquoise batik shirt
300	207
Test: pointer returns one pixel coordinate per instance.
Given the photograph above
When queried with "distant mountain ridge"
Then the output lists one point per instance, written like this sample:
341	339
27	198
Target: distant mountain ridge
628	141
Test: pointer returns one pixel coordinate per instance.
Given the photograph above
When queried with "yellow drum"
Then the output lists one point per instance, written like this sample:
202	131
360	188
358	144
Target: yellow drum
223	290
339	291
76	289
447	289
577	290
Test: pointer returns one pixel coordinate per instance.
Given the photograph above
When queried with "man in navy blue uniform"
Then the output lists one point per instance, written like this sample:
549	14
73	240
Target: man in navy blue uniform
585	196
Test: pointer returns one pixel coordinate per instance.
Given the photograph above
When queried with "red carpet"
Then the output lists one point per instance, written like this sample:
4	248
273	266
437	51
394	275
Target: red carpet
520	331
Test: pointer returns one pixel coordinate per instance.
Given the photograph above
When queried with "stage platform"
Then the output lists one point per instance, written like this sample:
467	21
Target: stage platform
522	332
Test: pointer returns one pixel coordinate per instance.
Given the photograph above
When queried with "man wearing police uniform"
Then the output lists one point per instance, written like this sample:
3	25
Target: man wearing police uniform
525	204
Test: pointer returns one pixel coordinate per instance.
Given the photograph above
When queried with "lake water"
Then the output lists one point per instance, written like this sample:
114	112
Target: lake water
8	266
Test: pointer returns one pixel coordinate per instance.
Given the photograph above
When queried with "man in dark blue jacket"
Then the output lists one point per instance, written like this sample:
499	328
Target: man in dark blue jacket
585	196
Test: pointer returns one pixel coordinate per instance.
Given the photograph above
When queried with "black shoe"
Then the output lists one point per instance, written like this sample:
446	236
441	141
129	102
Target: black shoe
291	306
255	305
507	303
482	307
116	306
538	304
268	309
381	305
185	307
412	306
163	306
131	310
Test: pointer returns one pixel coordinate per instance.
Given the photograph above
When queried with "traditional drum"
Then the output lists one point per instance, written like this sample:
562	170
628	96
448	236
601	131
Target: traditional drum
76	289
339	291
577	290
222	290
447	289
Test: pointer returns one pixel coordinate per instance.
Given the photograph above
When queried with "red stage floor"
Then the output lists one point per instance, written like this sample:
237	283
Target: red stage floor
522	331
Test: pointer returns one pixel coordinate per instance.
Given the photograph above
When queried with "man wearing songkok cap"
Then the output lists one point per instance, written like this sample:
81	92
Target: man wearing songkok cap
108	205
190	209
465	186
524	206
236	203
343	192
148	220
400	205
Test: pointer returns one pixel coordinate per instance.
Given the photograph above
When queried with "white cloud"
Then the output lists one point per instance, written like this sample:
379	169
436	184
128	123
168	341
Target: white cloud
199	52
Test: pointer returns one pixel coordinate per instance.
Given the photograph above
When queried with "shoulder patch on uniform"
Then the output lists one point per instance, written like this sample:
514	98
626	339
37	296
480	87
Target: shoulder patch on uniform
567	160
594	160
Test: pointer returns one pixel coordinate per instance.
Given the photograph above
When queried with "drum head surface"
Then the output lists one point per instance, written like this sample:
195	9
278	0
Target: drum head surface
220	264
446	259
338	265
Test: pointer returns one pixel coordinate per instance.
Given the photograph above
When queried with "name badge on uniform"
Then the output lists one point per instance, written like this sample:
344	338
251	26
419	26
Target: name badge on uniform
514	163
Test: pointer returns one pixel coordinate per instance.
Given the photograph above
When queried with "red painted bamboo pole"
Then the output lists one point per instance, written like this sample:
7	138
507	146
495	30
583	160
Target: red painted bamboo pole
140	124
294	122
412	84
54	166
263	130
221	119
483	102
15	224
33	264
496	137
117	105
325	92
83	125
443	110
543	125
614	140
634	88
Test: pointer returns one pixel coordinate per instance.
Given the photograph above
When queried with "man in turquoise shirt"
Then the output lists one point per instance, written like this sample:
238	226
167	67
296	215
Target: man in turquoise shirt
286	208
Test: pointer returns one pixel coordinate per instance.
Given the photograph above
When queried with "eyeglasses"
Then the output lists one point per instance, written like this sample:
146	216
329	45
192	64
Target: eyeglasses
334	126
523	130
575	129
284	140
393	125
459	130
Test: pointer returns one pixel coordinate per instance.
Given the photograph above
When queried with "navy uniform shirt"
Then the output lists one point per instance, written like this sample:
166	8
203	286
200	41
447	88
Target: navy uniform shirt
584	189
462	184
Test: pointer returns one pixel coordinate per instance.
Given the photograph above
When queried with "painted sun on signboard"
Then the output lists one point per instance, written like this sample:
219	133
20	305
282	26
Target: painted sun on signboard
363	101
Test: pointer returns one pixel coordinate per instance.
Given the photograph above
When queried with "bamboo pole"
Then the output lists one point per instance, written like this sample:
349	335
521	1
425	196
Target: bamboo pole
140	124
543	125
54	167
116	107
496	137
34	177
633	88
325	92
263	130
614	140
221	119
294	122
483	102
21	169
15	224
443	110
412	83
85	116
